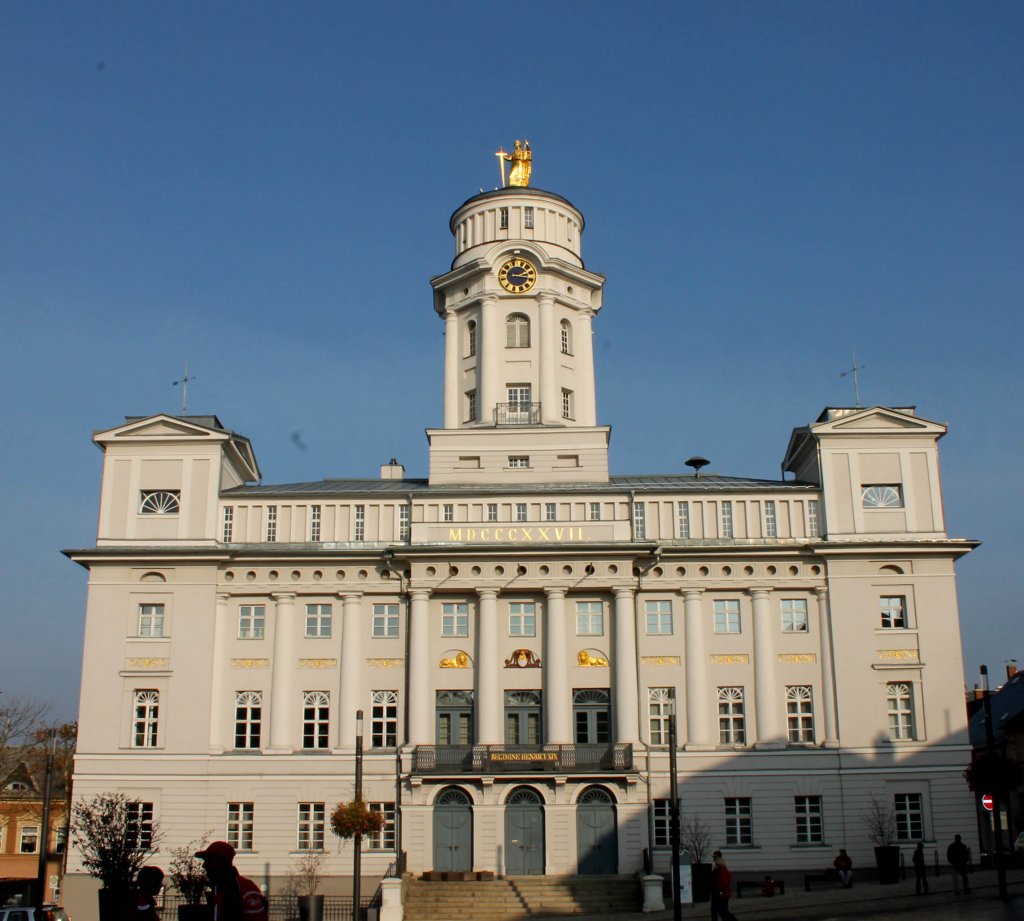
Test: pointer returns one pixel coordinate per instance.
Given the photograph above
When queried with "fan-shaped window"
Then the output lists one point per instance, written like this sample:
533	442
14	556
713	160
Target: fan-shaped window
454	698
596	796
471	338
892	570
453	796
881	496
566	337
524	796
517	331
522	698
591	696
160	502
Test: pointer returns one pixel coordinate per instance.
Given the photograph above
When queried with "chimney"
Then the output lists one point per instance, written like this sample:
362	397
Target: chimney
392	470
1011	668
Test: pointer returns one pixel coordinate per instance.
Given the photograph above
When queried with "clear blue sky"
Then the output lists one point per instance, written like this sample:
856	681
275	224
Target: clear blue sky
263	189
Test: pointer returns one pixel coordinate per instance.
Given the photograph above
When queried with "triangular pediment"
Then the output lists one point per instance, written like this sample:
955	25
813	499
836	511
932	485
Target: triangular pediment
160	427
874	420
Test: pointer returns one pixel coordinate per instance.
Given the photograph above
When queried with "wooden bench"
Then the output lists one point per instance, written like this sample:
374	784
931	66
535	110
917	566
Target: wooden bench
829	876
758	884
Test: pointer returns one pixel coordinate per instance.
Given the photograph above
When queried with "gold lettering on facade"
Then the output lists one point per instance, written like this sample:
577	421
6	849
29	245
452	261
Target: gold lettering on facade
250	663
524	756
660	660
741	659
318	663
587	660
526	535
897	653
459	660
800	657
146	662
385	663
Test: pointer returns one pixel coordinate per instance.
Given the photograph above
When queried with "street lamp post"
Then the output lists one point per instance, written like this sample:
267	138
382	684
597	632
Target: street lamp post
673	811
997	816
44	835
357	841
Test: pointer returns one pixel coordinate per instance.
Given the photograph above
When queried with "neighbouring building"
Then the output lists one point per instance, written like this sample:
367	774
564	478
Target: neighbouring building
21	823
519	627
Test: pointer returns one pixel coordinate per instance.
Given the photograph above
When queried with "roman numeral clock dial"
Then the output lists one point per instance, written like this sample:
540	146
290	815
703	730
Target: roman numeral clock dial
517	276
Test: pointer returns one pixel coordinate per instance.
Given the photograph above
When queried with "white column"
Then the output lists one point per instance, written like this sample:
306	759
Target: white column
625	678
489	350
586	394
828	682
557	702
767	697
418	668
548	353
222	695
350	692
284	702
451	370
699	700
488	686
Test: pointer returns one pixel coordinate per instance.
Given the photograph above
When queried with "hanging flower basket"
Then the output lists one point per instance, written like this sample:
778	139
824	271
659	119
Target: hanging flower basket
353	819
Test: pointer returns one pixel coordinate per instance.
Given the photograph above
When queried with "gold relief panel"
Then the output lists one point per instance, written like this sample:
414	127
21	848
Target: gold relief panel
250	663
591	658
522	658
318	663
460	659
738	659
146	662
660	660
898	654
800	658
385	663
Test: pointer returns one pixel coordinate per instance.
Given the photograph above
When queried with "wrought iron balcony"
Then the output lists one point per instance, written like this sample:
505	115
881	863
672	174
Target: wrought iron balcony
515	759
517	414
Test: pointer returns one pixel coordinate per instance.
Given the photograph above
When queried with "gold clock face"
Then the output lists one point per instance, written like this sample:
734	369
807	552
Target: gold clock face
517	276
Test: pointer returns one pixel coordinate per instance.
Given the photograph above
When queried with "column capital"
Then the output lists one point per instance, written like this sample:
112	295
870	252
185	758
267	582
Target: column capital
691	594
489	299
759	591
418	594
283	596
346	596
486	591
223	597
449	313
624	591
821	591
555	592
546	297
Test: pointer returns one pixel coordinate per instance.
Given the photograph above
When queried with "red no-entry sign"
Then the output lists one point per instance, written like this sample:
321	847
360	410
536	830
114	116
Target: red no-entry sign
986	801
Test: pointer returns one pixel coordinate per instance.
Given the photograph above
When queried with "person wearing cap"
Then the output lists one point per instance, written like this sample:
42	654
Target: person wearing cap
721	889
234	898
141	903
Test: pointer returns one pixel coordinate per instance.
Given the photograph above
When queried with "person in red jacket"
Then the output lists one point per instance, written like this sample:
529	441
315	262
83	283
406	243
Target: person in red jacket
721	889
234	897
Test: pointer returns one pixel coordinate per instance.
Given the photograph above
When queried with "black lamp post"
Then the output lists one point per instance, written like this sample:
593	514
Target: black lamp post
357	841
997	815
673	811
44	835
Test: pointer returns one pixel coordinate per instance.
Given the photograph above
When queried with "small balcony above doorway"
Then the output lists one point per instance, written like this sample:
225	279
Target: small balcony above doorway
597	758
517	414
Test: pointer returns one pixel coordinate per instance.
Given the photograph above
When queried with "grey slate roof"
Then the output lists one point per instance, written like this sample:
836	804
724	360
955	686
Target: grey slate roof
650	483
1007	713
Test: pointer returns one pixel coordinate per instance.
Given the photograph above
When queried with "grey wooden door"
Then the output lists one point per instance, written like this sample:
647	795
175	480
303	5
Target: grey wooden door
524	833
453	831
597	842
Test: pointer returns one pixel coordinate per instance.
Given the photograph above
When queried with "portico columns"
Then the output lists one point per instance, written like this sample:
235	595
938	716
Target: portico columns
557	704
698	701
548	354
828	684
221	696
583	343
625	696
283	702
451	370
488	690
351	667
488	351
418	667
766	695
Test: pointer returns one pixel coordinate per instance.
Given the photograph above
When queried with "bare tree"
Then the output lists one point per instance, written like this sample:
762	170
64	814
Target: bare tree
880	821
695	838
19	720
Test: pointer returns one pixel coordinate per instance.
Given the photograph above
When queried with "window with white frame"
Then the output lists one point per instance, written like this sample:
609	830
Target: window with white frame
568	409
146	718
519	460
492	511
899	697
384	622
909	810
517	331
227	527
794	615
310	830
771	528
807	811
403	522
566	331
662	823
725	518
503	219
894	612
595	511
589	618
383	840
160	502
316	719
799	714
248	719
683	520
471	338
732	725
455	619
359	523
639	521
271	524
318	621
882	496
659	618
314	524
138	824
739	821
447	512
660	706
471	410
151	620
522	619
550	511
252	620
813	526
521	512
240	825
528	217
28	839
384	719
727	615
60	842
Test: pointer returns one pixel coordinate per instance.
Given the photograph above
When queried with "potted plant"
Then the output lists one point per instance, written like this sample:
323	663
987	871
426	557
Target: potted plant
880	821
189	879
305	879
112	846
695	839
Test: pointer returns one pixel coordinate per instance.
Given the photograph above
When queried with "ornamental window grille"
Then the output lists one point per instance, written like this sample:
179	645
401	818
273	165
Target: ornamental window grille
453	796
455	619
151	620
316	718
739	821
524	796
727	615
383	840
227	529
138	824
248	719
809	828
311	825
909	810
800	714
384	621
659	618
522	619
314	524
683	520
241	820
318	621
517	331
271	523
147	715
726	519
660	707
252	619
900	704
882	496
384	719
359	523
639	521
894	612
732	725
589	618
794	615
771	528
160	502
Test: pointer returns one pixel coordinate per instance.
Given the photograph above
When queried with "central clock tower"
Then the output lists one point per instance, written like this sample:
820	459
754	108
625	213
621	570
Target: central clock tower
517	304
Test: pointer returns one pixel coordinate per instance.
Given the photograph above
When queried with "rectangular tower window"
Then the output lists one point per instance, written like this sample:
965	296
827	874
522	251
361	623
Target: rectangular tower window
359	531
528	217
727	616
567	405
151	620
318	621
314	524
595	511
812	518
492	511
447	512
726	518
683	520
521	512
770	525
503	218
522	619
228	524
659	618
808	820
589	618
739	823
639	521
251	621
403	522
550	511
471	406
311	827
794	615
455	619
240	825
385	621
271	523
894	612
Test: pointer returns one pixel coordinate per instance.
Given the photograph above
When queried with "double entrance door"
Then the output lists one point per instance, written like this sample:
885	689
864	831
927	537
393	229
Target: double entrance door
524	833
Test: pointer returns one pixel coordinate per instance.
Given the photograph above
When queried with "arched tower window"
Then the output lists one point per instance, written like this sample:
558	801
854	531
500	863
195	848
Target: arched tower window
566	337
517	331
471	338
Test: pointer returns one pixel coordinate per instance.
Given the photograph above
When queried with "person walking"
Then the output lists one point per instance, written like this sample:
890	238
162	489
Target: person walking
959	856
234	898
920	871
844	868
141	903
721	889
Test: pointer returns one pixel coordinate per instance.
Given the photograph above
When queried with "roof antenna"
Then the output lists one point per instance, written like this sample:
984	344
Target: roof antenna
184	389
697	463
853	372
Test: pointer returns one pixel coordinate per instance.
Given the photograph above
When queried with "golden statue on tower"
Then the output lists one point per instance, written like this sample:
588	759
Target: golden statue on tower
521	159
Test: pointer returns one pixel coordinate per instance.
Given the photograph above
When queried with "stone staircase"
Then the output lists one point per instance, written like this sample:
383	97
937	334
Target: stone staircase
520	897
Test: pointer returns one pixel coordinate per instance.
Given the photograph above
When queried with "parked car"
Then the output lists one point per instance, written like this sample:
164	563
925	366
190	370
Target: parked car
28	913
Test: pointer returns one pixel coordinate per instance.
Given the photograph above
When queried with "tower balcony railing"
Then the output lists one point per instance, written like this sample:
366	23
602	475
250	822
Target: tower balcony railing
583	758
517	414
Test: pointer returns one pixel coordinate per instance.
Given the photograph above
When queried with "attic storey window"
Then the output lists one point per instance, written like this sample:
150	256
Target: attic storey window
882	496
160	502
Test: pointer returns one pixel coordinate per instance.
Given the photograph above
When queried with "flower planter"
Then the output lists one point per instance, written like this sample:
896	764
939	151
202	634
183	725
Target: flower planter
195	913
311	907
887	860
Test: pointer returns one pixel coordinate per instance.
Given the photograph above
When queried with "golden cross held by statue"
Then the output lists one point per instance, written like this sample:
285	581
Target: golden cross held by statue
521	159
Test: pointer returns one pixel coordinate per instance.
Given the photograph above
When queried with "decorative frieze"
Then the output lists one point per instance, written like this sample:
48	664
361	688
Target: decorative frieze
660	660
385	663
897	654
146	662
318	663
800	658
250	663
735	659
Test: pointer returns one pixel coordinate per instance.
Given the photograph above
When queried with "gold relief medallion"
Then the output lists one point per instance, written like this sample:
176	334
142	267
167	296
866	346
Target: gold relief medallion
146	662
660	660
385	663
250	663
318	663
897	653
739	659
798	657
